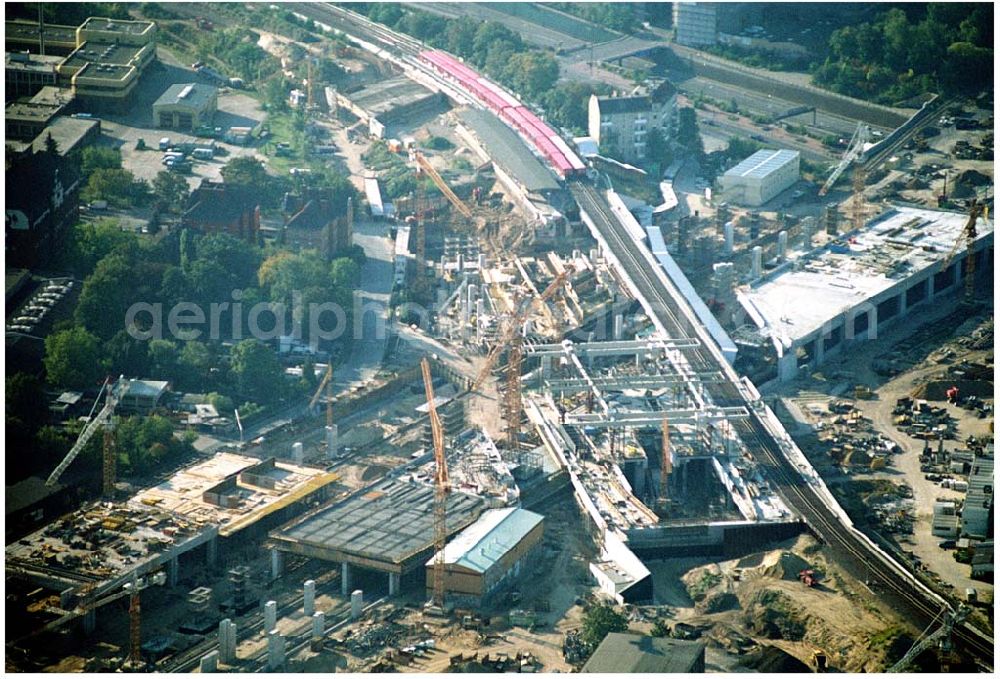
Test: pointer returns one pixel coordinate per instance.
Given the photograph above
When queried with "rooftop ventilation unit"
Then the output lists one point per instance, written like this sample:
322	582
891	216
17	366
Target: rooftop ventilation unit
185	92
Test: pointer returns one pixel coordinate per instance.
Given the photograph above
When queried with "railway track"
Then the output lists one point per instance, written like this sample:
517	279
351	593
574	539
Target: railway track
801	497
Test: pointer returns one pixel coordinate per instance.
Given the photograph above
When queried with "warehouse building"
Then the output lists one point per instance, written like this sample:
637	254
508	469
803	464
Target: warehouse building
760	177
487	557
816	303
621	125
977	512
387	527
384	104
624	653
186	106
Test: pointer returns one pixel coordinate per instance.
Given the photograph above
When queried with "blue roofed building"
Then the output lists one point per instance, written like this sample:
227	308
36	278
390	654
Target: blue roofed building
760	177
488	557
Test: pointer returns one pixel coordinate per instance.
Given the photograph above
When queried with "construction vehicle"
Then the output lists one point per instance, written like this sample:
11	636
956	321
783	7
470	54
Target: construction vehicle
968	237
104	420
941	636
863	392
511	340
326	384
441	488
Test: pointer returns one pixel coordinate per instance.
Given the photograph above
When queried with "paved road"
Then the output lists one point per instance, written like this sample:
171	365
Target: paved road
371	306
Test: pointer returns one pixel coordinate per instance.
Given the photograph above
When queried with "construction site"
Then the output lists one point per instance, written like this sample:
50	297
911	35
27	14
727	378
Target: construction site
575	405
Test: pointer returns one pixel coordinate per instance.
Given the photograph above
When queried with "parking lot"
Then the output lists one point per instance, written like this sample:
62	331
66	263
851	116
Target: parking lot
235	109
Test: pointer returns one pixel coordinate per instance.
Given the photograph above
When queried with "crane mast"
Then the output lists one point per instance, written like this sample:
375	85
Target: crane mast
103	420
440	487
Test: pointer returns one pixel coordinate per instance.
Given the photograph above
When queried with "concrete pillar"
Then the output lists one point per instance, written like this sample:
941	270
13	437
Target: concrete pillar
345	578
309	597
902	303
270	615
212	551
787	365
275	650
394	579
318	625
66	598
619	326
481	261
820	351
227	641
757	262
298	453
782	245
173	571
357	603
727	234
461	263
89	622
332	435
277	564
209	662
930	288
546	366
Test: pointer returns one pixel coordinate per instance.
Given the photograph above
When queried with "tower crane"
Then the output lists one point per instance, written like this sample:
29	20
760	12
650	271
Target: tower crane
325	384
512	340
968	237
104	420
941	634
854	150
439	182
441	487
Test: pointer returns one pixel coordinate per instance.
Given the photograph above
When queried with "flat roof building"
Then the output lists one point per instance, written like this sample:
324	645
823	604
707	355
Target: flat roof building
816	303
624	653
977	512
25	121
695	23
20	34
25	74
384	103
760	177
387	527
488	556
186	106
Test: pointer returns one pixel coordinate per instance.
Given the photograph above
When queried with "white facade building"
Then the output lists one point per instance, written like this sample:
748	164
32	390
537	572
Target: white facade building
977	513
621	125
760	177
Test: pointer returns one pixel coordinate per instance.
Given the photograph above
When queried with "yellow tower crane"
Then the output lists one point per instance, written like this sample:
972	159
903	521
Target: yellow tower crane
103	420
325	384
441	487
968	237
512	340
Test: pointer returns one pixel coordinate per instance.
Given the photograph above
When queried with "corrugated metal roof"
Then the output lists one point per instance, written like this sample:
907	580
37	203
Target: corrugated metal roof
495	533
634	653
762	163
195	95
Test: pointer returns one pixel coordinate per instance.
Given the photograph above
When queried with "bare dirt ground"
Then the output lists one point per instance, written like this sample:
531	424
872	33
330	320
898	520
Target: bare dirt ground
759	601
836	380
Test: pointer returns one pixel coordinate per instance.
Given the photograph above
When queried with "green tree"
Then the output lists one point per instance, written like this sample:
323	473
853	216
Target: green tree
171	189
257	372
73	359
599	621
194	365
119	187
90	242
162	359
126	355
106	296
100	158
25	411
244	170
145	442
460	36
660	628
